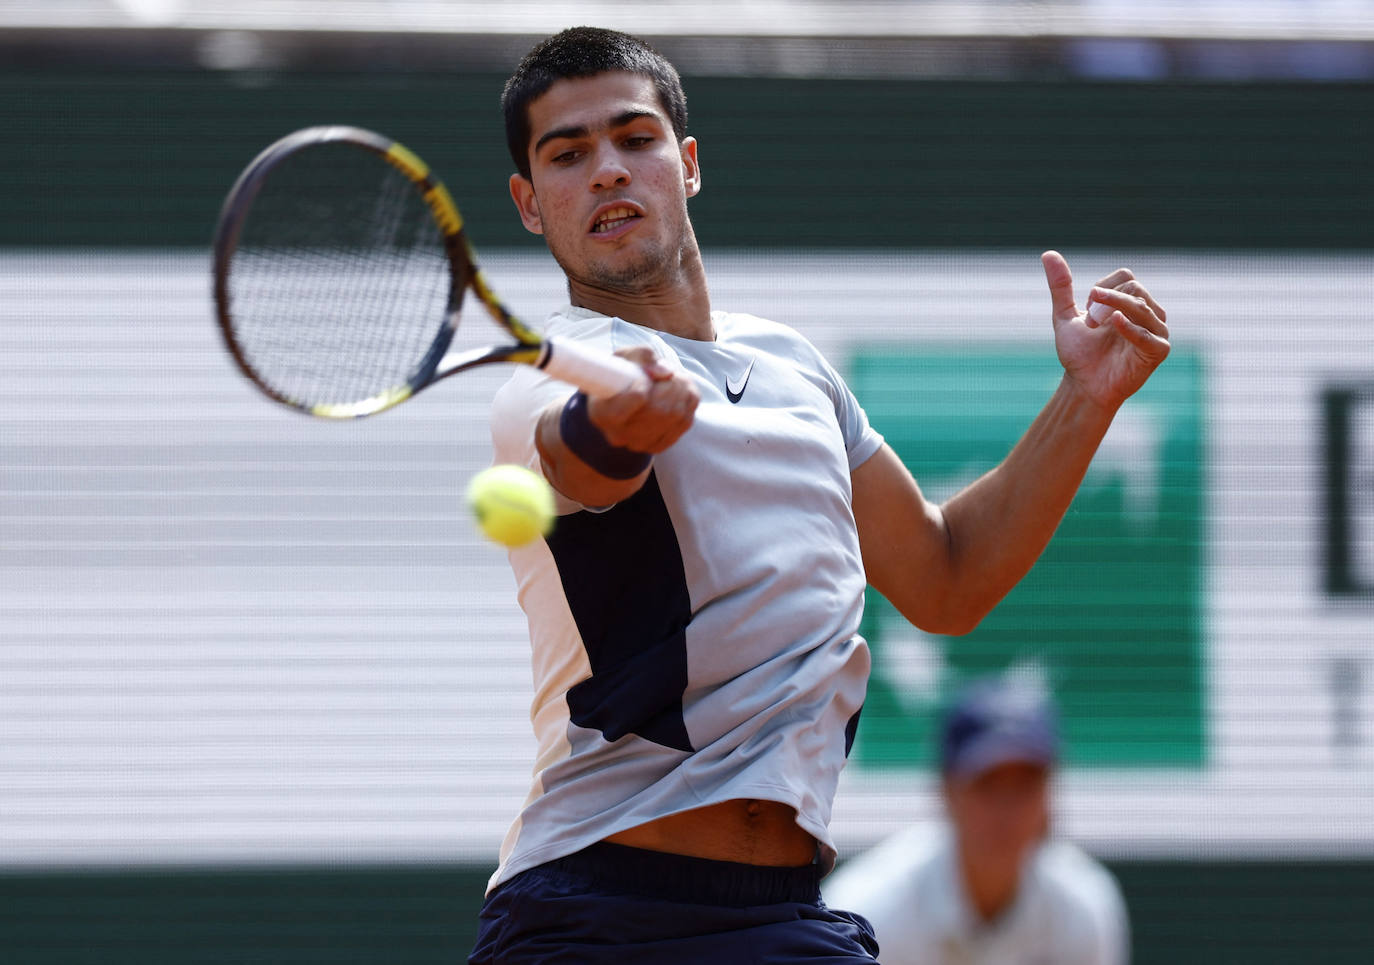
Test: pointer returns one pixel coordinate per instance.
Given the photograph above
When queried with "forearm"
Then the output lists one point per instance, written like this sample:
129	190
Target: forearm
998	526
946	567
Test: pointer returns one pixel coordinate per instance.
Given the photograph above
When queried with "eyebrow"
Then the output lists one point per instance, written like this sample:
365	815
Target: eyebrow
581	130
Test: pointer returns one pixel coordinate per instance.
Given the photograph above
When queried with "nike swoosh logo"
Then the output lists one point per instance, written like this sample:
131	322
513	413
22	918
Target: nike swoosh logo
734	388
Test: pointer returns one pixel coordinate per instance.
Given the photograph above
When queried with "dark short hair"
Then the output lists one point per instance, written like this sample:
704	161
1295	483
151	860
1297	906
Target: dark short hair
584	52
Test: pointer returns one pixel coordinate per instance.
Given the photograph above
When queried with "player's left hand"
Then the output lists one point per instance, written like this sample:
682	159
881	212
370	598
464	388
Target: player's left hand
1110	348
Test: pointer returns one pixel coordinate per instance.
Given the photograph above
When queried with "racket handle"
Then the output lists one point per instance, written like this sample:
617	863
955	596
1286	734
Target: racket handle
595	373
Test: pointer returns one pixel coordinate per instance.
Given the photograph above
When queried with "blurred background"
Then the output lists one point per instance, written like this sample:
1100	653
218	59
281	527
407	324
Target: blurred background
264	692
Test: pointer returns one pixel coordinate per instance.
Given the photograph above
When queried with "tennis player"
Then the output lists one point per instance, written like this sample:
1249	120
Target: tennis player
990	887
698	673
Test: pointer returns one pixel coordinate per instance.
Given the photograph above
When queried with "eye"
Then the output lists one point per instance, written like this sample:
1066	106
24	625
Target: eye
638	140
564	157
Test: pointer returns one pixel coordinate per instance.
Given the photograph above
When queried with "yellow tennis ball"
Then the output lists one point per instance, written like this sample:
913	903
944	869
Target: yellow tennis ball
512	505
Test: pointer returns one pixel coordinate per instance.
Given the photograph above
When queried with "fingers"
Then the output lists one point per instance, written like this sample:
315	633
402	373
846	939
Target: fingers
1151	346
1117	278
1139	309
652	418
644	356
1135	288
1060	280
669	413
1124	280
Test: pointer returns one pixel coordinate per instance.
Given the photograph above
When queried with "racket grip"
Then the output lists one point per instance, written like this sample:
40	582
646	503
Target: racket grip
595	373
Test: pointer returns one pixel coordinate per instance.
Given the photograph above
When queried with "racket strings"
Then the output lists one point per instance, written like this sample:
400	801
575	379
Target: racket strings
340	281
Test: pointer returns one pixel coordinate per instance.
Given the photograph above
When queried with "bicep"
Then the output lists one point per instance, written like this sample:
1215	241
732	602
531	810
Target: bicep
903	538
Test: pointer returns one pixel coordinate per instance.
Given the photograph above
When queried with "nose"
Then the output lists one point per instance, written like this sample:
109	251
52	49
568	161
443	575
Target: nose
610	170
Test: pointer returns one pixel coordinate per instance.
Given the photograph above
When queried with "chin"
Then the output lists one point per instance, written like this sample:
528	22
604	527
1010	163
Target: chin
629	277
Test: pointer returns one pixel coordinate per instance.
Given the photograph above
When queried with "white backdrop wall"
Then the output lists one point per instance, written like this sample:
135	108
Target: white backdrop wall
229	633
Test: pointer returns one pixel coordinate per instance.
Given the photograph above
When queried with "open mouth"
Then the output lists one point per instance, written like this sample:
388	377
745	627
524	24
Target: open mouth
613	218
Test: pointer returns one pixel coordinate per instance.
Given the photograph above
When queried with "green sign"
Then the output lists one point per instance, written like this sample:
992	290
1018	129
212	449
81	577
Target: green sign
1110	617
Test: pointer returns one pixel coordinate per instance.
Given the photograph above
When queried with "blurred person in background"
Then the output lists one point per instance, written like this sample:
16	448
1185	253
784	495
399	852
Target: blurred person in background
989	887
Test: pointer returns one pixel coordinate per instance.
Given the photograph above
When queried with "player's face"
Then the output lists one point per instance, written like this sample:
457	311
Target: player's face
609	182
1001	814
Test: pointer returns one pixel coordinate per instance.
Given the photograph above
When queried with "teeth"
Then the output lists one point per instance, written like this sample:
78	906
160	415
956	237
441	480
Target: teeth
613	218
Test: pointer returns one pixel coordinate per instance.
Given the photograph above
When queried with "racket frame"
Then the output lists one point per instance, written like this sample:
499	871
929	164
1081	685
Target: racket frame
597	373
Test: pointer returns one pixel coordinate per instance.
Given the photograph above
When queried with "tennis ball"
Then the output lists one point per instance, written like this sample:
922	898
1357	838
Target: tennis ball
512	505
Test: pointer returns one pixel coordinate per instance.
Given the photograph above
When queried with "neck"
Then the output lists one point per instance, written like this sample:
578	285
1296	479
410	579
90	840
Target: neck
679	304
990	883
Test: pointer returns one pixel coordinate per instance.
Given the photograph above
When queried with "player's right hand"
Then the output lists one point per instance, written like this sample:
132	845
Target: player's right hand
652	418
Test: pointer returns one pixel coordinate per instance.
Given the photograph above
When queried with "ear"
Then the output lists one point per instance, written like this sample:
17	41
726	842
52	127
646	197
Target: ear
691	170
522	193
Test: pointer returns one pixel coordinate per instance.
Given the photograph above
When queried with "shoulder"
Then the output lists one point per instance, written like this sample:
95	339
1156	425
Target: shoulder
1082	892
1073	872
588	327
765	335
789	347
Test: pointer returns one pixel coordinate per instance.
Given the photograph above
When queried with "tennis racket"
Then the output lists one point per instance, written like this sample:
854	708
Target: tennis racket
340	268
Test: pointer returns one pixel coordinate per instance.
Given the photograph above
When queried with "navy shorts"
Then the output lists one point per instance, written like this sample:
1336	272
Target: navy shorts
613	904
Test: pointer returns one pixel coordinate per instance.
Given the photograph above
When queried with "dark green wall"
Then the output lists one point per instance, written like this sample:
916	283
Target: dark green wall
128	158
380	915
1181	913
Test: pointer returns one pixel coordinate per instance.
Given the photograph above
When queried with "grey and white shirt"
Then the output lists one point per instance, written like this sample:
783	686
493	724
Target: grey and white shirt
698	641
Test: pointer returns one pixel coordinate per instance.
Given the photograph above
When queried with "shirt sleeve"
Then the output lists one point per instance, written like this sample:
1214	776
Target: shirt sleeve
861	440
